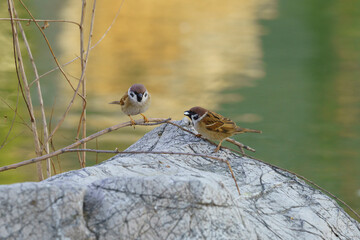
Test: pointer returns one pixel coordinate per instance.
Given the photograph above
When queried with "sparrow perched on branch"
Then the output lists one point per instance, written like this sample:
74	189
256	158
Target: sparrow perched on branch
213	126
135	101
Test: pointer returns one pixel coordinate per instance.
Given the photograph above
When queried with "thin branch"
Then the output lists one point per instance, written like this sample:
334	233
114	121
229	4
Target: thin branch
84	62
27	97
51	141
102	37
67	150
111	25
52	70
82	122
13	120
17	114
49	46
240	145
159	121
160	153
76	91
39	20
41	101
276	167
153	121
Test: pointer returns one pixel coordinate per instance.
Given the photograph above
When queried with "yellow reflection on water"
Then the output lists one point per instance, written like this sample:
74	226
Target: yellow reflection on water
186	53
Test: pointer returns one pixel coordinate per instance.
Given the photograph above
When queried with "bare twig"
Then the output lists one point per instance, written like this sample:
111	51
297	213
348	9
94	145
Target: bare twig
52	70
15	110
84	62
97	155
39	20
76	91
67	150
276	167
18	56
51	141
240	145
161	153
49	46
153	121
13	120
111	25
41	102
71	61
82	122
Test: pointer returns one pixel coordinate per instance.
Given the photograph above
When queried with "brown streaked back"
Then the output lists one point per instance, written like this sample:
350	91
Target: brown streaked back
218	123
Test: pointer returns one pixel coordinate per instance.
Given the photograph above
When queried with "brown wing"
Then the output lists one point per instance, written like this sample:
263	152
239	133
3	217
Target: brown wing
218	123
123	99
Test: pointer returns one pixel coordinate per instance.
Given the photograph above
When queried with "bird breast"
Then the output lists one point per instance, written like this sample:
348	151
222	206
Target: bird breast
133	108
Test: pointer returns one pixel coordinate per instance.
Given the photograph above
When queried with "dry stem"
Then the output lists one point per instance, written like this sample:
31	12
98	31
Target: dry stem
160	153
39	20
153	121
76	91
12	121
239	144
48	44
18	56
45	129
84	62
71	61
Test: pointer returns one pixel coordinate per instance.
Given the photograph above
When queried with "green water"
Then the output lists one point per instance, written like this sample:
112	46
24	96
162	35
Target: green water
296	78
309	99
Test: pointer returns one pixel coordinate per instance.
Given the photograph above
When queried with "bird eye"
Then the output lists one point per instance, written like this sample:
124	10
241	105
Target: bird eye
132	94
196	117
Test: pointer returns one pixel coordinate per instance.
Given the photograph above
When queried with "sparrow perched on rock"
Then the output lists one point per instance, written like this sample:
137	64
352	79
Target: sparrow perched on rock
135	101
213	126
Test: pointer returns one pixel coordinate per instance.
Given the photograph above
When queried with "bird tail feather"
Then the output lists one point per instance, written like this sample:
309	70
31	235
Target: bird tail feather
115	102
244	130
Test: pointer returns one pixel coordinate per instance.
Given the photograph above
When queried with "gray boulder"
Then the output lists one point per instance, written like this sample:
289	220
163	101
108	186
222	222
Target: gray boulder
148	196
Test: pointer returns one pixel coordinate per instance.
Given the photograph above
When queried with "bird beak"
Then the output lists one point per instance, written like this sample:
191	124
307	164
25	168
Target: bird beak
139	97
187	113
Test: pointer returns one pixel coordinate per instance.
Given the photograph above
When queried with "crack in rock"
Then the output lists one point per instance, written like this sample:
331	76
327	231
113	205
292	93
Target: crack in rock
144	196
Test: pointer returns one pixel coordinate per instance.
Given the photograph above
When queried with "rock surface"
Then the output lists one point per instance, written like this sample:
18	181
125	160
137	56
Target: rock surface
147	196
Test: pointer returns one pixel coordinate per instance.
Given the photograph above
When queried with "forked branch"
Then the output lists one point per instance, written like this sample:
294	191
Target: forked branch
153	121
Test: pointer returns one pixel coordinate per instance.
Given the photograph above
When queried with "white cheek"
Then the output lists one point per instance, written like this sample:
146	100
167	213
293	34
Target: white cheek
194	121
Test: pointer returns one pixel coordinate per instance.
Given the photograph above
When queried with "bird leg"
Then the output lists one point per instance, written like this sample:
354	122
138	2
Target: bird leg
145	118
132	121
218	147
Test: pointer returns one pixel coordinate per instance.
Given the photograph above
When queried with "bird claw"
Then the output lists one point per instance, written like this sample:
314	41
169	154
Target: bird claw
218	146
146	120
132	122
217	149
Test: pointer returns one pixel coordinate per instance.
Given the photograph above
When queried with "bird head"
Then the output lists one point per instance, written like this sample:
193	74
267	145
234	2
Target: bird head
196	113
138	93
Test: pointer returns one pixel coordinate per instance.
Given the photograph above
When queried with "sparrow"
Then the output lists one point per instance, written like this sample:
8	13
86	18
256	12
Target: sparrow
135	101
214	126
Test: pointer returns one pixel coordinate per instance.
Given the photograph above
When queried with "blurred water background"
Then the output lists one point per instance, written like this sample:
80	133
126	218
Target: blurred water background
290	69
